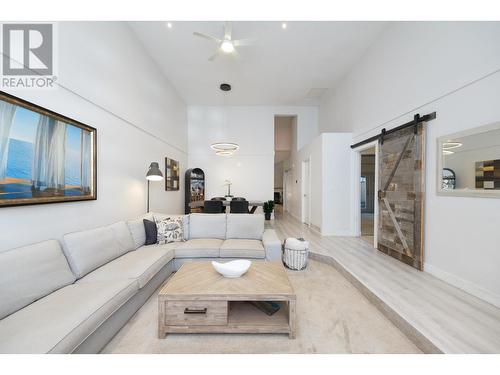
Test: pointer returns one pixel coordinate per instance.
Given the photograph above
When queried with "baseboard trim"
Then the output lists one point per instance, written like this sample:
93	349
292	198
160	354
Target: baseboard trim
414	335
465	285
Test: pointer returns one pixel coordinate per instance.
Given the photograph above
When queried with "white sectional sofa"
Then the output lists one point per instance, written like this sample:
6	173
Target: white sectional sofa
74	298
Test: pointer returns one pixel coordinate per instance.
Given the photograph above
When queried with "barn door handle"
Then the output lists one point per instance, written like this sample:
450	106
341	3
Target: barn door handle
381	194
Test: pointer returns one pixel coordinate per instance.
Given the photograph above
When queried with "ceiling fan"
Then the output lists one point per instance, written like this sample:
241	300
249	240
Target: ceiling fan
226	44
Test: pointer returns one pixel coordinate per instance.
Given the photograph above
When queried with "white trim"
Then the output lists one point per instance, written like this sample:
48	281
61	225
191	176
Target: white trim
315	228
308	182
465	285
356	207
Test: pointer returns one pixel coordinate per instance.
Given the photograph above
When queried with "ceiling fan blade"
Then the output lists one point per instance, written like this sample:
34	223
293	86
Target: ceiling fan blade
214	56
243	42
205	36
227	30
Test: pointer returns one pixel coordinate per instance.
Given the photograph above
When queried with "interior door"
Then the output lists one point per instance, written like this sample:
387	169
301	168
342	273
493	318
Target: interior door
305	192
401	195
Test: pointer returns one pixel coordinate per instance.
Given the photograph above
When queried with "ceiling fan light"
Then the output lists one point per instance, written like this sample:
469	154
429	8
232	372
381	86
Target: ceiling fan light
227	46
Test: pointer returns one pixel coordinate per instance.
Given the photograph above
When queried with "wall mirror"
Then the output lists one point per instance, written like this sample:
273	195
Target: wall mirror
469	162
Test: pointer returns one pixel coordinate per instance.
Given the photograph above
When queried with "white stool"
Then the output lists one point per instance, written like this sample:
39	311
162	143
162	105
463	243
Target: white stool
295	253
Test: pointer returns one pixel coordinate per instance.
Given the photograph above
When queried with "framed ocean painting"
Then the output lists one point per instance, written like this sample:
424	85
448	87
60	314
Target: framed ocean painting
44	157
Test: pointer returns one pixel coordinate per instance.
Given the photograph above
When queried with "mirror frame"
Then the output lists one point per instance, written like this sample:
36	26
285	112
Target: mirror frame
439	157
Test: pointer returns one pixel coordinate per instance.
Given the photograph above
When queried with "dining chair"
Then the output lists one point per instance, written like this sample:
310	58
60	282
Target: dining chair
212	207
239	199
220	199
239	207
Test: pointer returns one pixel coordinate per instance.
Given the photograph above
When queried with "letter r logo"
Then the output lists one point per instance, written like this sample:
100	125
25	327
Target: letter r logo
27	49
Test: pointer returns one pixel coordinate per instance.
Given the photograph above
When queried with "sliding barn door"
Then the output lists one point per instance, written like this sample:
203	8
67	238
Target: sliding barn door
401	195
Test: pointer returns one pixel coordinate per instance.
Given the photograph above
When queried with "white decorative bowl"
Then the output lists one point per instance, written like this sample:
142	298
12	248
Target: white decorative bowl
232	269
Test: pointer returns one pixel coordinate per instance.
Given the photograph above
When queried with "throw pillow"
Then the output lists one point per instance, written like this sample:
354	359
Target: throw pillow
151	232
170	229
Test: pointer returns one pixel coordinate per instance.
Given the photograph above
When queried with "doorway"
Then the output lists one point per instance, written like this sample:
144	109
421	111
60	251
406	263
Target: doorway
283	138
306	188
365	190
367	194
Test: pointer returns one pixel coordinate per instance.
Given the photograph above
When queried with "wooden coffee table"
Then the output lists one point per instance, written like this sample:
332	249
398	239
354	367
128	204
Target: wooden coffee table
199	300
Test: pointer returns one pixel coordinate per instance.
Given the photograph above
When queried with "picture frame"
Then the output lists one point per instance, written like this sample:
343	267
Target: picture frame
172	173
45	157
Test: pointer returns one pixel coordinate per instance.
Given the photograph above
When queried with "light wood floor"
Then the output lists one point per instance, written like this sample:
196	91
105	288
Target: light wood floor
436	316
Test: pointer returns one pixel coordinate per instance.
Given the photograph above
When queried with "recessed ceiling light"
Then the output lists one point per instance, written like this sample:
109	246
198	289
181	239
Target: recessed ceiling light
169	25
283	25
448	145
227	46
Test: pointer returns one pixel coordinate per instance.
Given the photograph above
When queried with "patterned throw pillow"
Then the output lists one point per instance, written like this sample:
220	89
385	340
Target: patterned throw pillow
170	229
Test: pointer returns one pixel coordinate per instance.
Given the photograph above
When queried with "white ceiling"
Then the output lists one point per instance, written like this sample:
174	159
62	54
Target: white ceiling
280	68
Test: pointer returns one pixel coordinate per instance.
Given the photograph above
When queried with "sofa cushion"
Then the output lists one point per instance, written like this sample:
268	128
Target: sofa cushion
185	220
199	248
59	322
89	249
236	248
141	265
245	226
136	228
207	226
31	272
123	237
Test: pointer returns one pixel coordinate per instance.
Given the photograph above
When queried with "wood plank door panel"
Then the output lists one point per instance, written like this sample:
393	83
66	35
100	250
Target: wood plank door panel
401	195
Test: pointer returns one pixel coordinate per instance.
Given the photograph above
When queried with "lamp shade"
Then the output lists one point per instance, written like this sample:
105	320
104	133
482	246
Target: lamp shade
154	173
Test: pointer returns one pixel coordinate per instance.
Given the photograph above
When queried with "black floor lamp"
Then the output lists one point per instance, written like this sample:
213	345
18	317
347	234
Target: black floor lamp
154	174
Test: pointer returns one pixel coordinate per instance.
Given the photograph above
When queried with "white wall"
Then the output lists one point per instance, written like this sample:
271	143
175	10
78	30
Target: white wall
313	152
115	87
337	179
251	168
330	161
283	133
451	68
278	175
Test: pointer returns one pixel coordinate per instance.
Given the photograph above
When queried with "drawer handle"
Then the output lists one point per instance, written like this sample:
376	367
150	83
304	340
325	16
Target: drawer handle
187	310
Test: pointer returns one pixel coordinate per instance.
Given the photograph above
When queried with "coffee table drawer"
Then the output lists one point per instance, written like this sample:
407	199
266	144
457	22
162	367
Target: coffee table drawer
195	313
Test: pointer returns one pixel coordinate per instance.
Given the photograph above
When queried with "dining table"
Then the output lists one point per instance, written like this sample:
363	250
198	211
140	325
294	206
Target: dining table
251	204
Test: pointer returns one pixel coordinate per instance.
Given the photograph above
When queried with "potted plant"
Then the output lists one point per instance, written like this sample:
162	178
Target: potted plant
268	209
